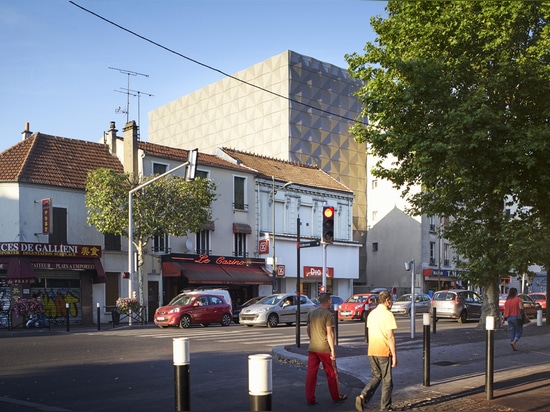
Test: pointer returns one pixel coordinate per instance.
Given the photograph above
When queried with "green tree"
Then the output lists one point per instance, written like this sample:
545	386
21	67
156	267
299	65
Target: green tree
457	96
170	205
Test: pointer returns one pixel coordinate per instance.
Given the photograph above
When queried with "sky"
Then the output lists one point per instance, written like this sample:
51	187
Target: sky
67	71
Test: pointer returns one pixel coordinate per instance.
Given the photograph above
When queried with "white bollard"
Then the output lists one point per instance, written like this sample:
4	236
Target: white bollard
539	317
182	381
260	382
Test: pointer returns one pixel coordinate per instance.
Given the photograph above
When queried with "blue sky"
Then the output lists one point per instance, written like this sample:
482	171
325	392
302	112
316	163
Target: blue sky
55	57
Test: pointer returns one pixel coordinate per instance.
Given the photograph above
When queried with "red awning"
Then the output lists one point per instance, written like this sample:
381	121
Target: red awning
216	274
242	228
20	269
171	269
248	275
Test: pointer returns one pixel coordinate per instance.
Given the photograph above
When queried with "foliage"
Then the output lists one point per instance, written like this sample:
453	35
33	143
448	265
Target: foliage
23	307
127	305
458	98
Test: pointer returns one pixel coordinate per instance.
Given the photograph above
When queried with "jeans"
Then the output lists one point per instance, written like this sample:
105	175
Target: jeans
381	372
515	329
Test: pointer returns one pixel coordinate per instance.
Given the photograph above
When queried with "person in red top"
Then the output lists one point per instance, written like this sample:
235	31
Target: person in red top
512	313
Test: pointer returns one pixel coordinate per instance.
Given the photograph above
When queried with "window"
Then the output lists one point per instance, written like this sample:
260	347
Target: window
112	242
59	224
203	174
432	224
239	193
240	245
446	254
159	168
432	253
374	183
375	246
160	244
203	242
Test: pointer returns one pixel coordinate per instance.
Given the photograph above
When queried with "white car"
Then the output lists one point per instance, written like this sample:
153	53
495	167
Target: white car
403	304
275	309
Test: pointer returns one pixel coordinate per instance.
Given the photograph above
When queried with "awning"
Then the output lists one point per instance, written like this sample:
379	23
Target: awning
216	274
248	275
241	228
99	276
20	269
209	226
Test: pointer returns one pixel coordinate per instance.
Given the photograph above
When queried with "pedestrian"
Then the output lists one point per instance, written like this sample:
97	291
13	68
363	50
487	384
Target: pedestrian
513	308
320	323
381	352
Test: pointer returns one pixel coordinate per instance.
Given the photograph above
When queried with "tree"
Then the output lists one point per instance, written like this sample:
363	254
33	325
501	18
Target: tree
457	94
170	206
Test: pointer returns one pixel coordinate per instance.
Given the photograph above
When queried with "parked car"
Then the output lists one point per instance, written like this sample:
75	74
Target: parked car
402	305
357	306
530	307
459	304
334	300
237	309
195	308
540	298
274	309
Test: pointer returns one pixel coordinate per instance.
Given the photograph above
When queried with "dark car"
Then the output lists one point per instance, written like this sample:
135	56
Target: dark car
237	309
334	301
459	304
197	308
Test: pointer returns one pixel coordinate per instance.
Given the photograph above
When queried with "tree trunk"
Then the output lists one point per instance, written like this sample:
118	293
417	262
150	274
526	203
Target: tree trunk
490	304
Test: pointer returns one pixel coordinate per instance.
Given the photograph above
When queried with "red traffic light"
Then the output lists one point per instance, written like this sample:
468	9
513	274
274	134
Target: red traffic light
328	212
328	225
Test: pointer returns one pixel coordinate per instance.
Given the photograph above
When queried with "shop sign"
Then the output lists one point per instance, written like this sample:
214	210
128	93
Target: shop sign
280	271
317	272
49	250
263	246
218	260
46	216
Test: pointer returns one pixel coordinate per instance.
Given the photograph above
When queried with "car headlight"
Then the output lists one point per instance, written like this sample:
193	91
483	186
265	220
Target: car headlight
264	310
359	306
175	310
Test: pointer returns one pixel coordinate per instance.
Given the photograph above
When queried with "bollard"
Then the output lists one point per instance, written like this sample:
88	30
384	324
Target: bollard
435	318
260	382
366	328
539	317
336	324
182	383
98	317
426	323
67	315
490	326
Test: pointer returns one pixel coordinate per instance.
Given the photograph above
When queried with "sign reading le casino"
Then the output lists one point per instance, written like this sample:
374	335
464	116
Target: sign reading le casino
46	249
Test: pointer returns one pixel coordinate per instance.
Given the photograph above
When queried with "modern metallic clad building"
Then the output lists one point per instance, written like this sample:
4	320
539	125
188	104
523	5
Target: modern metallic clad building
291	107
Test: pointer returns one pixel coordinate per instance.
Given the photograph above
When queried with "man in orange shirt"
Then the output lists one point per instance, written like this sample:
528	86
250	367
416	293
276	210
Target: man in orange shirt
381	351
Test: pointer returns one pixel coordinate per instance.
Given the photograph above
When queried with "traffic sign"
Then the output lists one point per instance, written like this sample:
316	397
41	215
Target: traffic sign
310	243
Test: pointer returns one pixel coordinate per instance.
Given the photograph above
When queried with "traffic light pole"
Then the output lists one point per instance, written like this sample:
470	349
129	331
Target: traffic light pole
298	282
325	267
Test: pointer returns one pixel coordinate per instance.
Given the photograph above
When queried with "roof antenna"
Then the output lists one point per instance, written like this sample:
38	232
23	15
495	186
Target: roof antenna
128	73
139	93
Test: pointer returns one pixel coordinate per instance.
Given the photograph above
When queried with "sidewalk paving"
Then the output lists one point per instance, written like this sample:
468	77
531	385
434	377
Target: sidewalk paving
458	371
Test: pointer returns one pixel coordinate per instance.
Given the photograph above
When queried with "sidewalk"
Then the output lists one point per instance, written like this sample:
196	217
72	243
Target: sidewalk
458	372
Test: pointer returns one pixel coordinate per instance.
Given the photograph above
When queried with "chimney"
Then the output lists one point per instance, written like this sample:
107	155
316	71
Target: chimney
111	139
26	133
131	148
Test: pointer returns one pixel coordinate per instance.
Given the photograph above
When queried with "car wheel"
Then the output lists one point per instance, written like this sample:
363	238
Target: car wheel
226	320
364	315
463	317
272	320
185	321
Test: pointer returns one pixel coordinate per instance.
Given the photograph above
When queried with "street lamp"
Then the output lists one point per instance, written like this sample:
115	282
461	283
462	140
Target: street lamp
273	265
189	175
410	266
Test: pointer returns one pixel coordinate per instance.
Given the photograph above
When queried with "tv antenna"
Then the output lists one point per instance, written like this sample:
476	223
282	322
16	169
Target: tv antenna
128	73
138	94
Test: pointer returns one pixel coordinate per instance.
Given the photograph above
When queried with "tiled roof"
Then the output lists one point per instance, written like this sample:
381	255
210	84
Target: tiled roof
285	171
57	161
181	155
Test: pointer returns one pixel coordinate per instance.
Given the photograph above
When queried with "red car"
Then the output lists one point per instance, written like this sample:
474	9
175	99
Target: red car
354	306
188	309
540	298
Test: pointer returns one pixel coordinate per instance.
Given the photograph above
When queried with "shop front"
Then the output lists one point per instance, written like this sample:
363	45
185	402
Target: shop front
60	276
440	279
244	278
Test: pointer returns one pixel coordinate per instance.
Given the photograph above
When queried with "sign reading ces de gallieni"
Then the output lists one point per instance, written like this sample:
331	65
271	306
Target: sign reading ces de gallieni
47	249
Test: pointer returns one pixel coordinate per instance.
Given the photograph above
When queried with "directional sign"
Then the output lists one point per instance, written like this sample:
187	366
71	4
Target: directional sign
310	243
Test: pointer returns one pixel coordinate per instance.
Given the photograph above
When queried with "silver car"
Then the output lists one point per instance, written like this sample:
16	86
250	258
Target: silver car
274	309
402	305
458	304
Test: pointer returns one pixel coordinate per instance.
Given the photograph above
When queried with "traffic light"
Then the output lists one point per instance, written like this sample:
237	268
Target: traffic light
322	289
328	224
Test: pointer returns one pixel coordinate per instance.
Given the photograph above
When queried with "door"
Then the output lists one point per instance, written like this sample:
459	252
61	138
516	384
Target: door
153	299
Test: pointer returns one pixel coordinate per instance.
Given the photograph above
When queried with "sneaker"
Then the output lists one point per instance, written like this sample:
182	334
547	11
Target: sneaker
359	402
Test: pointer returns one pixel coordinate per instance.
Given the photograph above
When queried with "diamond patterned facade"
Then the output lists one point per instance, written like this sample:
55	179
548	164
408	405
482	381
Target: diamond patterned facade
290	107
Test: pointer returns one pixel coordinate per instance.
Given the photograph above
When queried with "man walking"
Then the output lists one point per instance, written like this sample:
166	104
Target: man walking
381	351
321	350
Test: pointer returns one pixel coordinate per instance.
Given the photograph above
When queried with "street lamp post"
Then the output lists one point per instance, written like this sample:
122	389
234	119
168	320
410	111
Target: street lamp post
189	175
410	266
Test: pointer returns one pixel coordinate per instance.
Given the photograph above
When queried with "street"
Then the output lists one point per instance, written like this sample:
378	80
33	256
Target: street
131	368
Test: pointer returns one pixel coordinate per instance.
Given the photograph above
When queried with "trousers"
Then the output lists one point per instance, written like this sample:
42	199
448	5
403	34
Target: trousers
313	361
381	373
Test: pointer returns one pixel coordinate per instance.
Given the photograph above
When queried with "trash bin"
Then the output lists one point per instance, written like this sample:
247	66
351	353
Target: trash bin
115	315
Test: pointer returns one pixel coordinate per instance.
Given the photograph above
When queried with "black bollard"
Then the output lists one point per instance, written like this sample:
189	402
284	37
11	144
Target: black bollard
426	322
366	328
336	325
434	318
490	326
98	317
67	315
182	382
260	382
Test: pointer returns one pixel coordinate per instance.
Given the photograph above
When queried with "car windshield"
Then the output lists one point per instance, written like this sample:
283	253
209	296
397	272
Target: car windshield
356	299
536	296
404	298
181	300
271	300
